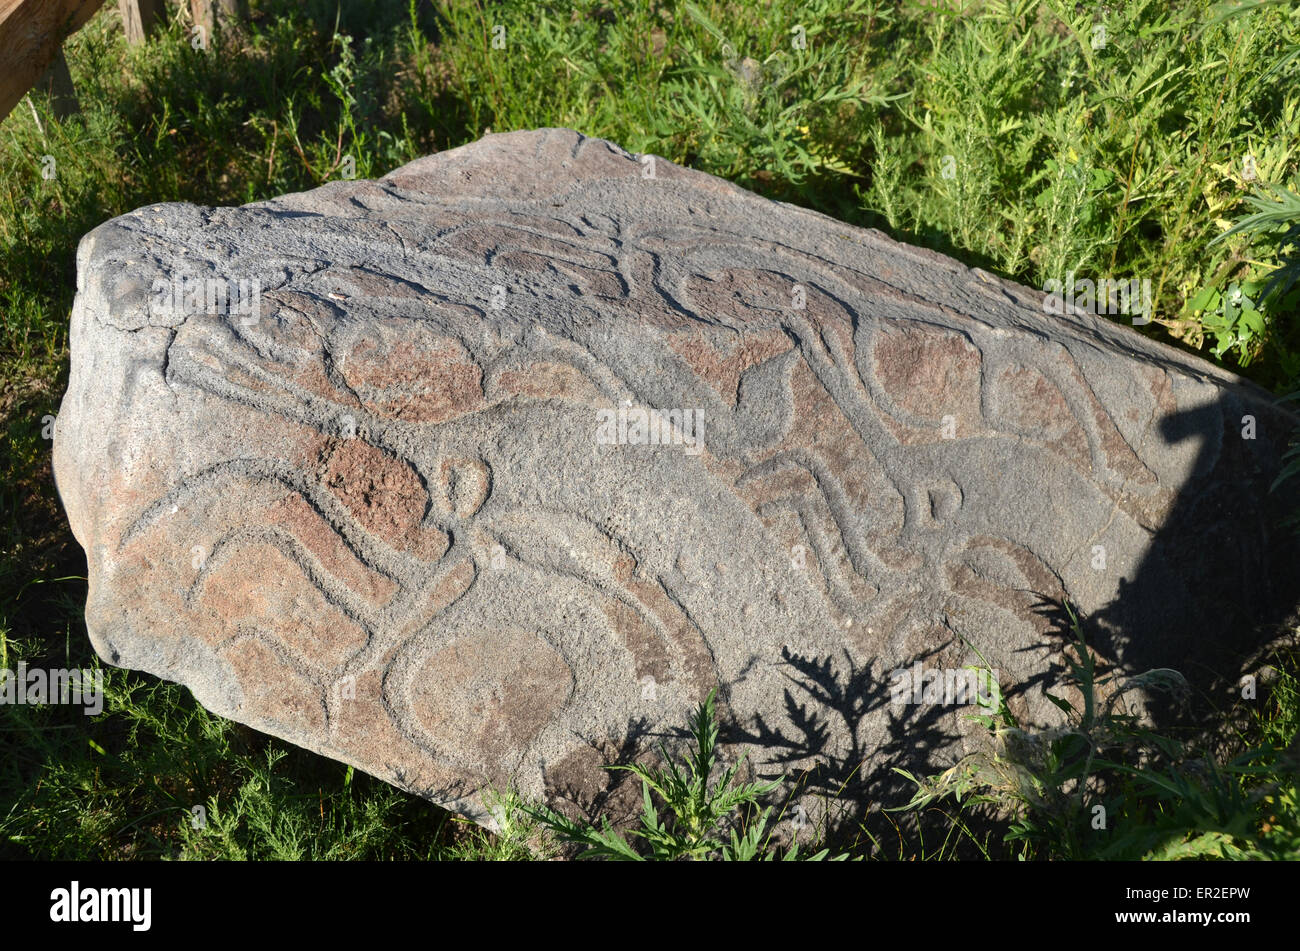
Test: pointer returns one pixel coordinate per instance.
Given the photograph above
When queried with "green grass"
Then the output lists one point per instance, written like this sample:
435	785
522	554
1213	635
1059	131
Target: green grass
1105	786
1101	786
1005	133
157	776
701	818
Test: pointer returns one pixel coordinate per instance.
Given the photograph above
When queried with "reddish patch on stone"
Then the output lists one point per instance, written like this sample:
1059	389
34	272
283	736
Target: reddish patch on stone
894	556
453	584
246	381
362	721
260	588
819	425
382	492
295	514
698	663
301	358
777	485
722	367
1033	405
1021	595
832	322
413	374
648	653
1119	454
739	295
726	471
930	373
1162	391
486	696
623	568
545	380
275	690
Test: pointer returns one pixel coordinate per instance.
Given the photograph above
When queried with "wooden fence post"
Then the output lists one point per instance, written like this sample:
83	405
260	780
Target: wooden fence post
211	14
140	18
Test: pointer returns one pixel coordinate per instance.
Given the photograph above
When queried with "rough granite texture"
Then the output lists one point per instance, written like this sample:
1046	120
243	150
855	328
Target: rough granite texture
377	518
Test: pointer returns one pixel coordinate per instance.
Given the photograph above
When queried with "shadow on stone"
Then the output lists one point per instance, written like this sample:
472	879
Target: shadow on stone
1221	578
576	791
1216	587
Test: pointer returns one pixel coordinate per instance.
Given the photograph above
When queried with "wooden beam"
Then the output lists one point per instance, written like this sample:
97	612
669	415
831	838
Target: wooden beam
31	33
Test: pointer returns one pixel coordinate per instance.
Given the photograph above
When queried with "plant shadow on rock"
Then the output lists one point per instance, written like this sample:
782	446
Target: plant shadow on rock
827	692
617	794
1217	585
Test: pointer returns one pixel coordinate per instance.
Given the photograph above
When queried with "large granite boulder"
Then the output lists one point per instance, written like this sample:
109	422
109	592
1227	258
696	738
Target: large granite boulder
483	473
